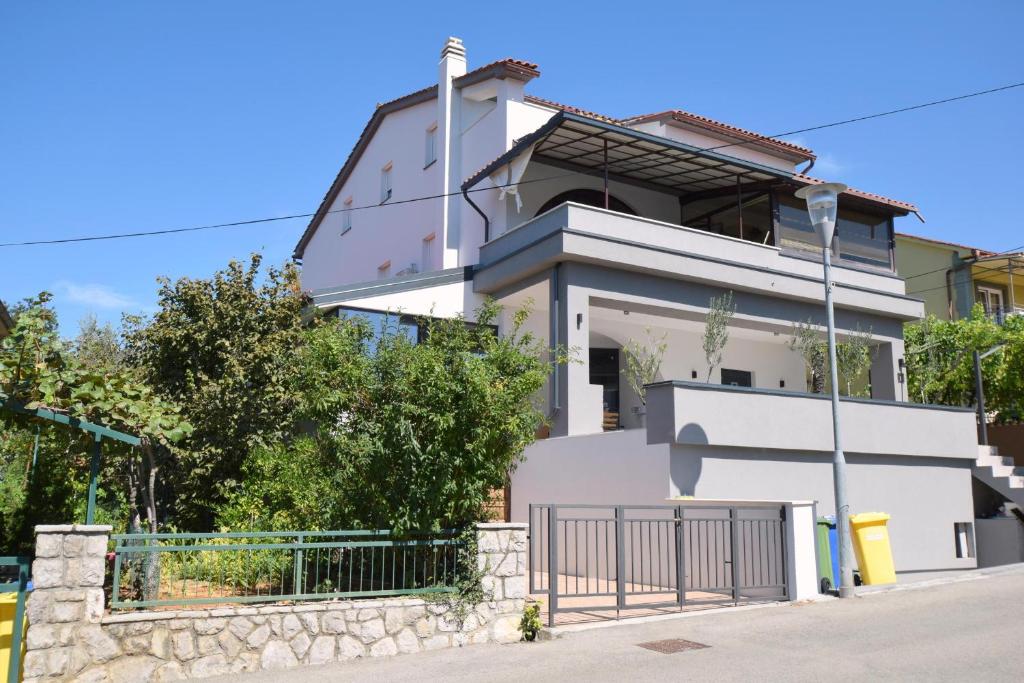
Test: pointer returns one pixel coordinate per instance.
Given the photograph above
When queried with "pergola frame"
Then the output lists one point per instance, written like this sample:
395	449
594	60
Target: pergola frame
99	432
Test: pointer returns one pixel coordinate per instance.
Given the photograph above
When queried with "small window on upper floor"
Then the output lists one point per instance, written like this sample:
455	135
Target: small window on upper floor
346	216
426	255
385	183
384	270
430	153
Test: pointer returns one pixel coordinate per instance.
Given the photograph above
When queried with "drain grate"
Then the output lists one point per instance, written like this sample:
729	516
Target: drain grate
672	645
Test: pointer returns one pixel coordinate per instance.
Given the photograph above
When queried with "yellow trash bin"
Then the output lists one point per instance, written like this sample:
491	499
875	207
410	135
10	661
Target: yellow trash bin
871	545
8	607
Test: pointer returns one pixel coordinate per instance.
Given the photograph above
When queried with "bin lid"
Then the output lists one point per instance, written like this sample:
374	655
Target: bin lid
869	517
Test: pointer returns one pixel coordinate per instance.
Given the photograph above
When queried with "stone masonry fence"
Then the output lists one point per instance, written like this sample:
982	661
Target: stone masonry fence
71	637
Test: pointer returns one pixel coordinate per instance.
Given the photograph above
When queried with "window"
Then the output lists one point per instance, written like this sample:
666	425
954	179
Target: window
737	378
430	153
384	270
346	216
963	533
426	257
415	328
860	237
991	299
385	183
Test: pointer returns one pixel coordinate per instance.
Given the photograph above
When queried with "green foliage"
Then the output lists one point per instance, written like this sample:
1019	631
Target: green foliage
219	348
393	434
530	625
467	588
716	329
940	362
853	357
38	370
643	361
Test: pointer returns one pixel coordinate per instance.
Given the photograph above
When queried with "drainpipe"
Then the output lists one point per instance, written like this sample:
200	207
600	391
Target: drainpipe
487	221
808	169
556	393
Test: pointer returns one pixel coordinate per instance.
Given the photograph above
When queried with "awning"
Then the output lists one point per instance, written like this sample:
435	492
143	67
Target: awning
581	144
586	145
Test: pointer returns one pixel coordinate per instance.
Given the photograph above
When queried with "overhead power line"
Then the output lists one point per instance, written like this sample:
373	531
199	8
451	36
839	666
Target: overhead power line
257	221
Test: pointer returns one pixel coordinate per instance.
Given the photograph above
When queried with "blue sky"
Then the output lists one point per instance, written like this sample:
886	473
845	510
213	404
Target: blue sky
129	116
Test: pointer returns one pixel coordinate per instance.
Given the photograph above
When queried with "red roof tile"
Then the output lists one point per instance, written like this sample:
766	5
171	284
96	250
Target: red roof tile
722	128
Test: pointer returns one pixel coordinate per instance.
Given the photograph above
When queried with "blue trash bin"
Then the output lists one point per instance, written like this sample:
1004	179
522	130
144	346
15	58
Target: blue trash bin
833	544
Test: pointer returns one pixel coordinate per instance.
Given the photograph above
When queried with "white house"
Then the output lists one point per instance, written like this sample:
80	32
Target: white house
612	226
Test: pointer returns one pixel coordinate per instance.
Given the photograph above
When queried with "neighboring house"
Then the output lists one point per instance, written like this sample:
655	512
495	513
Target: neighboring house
6	322
610	226
951	278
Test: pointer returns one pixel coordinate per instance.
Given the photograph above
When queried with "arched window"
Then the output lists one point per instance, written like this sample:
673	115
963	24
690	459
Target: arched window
588	197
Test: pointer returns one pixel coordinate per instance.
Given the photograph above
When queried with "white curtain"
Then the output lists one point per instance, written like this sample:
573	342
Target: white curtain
506	178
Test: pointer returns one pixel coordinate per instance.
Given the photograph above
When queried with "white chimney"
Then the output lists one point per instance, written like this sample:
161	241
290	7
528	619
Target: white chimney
449	108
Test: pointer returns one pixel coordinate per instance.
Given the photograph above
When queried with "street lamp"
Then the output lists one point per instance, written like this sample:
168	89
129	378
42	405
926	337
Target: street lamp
822	201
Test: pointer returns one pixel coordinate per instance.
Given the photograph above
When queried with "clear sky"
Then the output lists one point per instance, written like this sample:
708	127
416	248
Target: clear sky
126	116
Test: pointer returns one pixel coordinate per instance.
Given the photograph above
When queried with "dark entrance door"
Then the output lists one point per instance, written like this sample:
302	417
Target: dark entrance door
604	370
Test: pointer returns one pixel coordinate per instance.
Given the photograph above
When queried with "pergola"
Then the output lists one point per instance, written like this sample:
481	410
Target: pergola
613	152
99	432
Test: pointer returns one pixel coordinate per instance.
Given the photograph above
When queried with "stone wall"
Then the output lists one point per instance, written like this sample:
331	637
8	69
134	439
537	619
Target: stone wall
71	637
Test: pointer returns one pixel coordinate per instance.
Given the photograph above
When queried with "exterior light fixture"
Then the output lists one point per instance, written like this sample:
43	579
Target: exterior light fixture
822	203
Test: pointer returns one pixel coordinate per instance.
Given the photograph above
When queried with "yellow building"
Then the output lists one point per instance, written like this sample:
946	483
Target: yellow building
951	277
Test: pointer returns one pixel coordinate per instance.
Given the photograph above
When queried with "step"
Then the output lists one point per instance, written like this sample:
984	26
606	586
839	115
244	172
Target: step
1015	482
994	460
1002	470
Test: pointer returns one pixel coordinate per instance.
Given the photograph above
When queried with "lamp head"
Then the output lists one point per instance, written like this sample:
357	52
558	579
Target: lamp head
822	201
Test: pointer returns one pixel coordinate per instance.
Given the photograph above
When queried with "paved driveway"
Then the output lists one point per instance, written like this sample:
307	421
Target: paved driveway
968	630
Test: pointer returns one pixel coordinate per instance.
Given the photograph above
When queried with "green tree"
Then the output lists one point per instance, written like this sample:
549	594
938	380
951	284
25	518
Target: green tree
394	434
643	361
716	329
219	348
38	370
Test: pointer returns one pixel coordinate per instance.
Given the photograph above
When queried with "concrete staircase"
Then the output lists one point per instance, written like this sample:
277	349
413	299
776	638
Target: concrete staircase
999	473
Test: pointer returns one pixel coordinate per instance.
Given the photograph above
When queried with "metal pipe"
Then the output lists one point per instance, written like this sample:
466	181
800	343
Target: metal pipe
808	169
739	205
838	458
979	390
606	174
487	221
94	469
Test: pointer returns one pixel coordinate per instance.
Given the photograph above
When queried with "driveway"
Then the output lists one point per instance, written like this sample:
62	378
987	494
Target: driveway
955	631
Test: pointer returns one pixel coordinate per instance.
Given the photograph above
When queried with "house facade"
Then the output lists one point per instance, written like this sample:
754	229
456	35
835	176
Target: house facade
951	278
622	230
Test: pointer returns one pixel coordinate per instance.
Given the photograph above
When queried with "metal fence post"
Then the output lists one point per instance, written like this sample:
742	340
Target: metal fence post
14	663
552	563
620	560
680	568
297	569
734	526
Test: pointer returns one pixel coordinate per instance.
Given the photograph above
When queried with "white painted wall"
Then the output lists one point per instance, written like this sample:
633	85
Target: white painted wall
702	141
393	232
444	301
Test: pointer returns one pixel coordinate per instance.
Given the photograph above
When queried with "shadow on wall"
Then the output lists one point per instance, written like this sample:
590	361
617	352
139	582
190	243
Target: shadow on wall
684	470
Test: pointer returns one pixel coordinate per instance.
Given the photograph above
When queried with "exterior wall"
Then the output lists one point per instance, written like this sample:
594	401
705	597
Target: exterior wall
999	540
925	496
392	233
914	257
688	413
702	141
443	301
70	638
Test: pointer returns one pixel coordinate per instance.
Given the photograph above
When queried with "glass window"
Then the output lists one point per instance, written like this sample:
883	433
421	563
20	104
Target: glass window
430	155
385	184
381	322
863	238
794	225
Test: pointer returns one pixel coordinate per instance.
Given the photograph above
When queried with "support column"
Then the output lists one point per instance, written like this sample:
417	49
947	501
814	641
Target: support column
570	318
884	371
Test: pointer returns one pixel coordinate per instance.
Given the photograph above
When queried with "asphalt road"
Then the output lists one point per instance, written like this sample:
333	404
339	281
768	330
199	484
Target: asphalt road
968	630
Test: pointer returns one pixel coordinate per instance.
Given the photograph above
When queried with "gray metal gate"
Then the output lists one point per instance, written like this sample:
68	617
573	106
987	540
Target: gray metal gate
621	557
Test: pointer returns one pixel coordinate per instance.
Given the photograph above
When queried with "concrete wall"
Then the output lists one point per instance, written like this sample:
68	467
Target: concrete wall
703	414
70	637
999	540
925	496
930	261
700	140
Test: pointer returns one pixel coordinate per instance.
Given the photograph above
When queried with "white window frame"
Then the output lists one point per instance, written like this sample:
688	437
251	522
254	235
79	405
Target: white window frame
386	187
989	294
346	216
426	250
430	146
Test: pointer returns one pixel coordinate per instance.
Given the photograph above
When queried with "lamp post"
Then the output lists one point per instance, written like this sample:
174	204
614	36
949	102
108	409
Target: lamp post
822	201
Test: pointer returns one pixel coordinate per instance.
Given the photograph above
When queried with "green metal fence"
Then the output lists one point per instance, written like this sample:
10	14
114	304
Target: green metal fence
14	572
152	570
